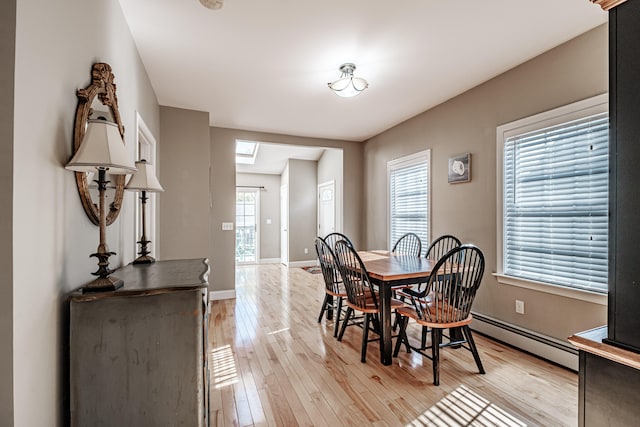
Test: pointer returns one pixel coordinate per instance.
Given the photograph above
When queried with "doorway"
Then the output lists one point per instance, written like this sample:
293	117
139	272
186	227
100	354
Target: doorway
284	225
247	223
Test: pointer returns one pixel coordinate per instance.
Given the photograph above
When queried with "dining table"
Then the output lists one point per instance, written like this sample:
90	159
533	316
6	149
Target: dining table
389	271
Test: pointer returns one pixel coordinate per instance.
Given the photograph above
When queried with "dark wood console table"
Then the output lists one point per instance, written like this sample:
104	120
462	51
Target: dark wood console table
609	381
138	356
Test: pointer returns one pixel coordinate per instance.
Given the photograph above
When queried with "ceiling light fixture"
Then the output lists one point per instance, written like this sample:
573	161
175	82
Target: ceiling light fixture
348	85
212	4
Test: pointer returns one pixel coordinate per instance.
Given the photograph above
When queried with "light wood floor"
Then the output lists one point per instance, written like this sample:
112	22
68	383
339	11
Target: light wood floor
272	364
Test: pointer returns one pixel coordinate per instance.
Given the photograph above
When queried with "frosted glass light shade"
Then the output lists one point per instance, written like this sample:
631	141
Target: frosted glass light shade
347	85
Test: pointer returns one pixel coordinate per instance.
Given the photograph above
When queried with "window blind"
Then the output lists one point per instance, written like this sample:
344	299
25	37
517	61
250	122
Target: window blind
409	201
556	204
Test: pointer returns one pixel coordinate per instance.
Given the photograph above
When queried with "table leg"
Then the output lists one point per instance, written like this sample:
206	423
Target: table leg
385	324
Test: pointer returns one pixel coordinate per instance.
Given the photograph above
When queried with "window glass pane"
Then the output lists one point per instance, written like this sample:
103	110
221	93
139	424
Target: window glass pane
556	204
409	200
246	224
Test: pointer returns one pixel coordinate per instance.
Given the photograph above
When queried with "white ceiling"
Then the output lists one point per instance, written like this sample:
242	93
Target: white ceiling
264	65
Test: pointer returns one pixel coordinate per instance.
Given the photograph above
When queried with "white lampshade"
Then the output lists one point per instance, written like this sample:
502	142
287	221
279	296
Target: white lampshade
102	148
347	85
145	179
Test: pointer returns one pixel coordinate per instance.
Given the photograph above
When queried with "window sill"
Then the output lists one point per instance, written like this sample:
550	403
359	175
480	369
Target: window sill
593	297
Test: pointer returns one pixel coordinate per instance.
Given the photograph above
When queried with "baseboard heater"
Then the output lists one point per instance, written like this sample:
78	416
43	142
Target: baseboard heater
552	349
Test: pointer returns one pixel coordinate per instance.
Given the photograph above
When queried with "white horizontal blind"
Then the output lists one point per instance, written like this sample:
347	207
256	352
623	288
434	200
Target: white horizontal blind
409	201
556	204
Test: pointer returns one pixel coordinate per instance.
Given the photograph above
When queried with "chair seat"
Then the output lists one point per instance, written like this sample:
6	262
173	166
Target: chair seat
413	314
341	294
371	306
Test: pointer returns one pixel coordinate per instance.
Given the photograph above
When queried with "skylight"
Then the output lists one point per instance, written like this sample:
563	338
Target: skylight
246	151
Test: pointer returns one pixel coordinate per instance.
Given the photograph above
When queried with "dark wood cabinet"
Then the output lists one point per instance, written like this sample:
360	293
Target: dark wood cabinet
624	161
608	382
138	356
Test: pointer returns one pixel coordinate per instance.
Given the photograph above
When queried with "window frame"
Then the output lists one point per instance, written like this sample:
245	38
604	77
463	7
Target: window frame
423	156
566	113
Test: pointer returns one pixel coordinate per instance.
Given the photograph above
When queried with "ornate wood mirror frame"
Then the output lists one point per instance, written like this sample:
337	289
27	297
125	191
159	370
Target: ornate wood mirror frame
102	87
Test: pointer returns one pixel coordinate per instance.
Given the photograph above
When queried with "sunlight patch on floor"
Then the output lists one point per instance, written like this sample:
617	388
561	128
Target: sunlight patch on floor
463	407
224	368
278	331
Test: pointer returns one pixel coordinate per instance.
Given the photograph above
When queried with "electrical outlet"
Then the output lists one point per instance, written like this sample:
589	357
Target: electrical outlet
306	250
519	306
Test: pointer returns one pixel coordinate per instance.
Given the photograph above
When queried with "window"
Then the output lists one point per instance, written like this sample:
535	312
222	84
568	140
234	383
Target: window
408	183
555	175
246	152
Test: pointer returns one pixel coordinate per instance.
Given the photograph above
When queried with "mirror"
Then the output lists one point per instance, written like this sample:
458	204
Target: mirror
98	99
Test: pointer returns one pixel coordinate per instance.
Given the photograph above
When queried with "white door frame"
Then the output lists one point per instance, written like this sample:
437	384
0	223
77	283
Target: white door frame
284	224
256	191
145	147
332	185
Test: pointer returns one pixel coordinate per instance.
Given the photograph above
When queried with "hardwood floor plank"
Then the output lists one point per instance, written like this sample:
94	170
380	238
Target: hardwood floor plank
278	367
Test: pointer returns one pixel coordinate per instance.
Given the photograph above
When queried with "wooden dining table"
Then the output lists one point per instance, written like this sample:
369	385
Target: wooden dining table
388	271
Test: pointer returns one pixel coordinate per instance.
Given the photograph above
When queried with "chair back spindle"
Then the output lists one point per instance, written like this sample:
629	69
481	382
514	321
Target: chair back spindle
440	246
455	280
334	237
360	291
408	244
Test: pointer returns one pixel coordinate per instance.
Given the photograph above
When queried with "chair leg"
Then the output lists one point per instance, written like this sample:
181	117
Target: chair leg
375	319
402	335
324	307
472	345
365	337
436	338
423	340
339	311
345	321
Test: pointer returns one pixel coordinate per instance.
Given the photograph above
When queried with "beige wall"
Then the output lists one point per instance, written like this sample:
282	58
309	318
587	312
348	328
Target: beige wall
269	210
303	209
183	169
56	45
7	53
467	123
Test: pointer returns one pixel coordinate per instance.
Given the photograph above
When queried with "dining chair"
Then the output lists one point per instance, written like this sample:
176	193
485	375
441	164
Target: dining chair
333	287
361	294
332	238
436	250
455	281
408	244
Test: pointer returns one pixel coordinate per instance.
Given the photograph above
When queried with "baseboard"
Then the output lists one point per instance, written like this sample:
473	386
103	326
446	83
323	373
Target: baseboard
219	295
552	349
308	263
269	260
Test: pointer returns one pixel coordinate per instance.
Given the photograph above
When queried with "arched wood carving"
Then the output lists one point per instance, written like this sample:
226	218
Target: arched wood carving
103	87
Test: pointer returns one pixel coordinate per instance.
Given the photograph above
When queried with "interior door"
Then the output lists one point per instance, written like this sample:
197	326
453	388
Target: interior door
284	225
247	220
326	208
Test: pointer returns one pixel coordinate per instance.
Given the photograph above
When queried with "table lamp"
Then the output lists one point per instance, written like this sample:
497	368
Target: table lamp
102	149
144	181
